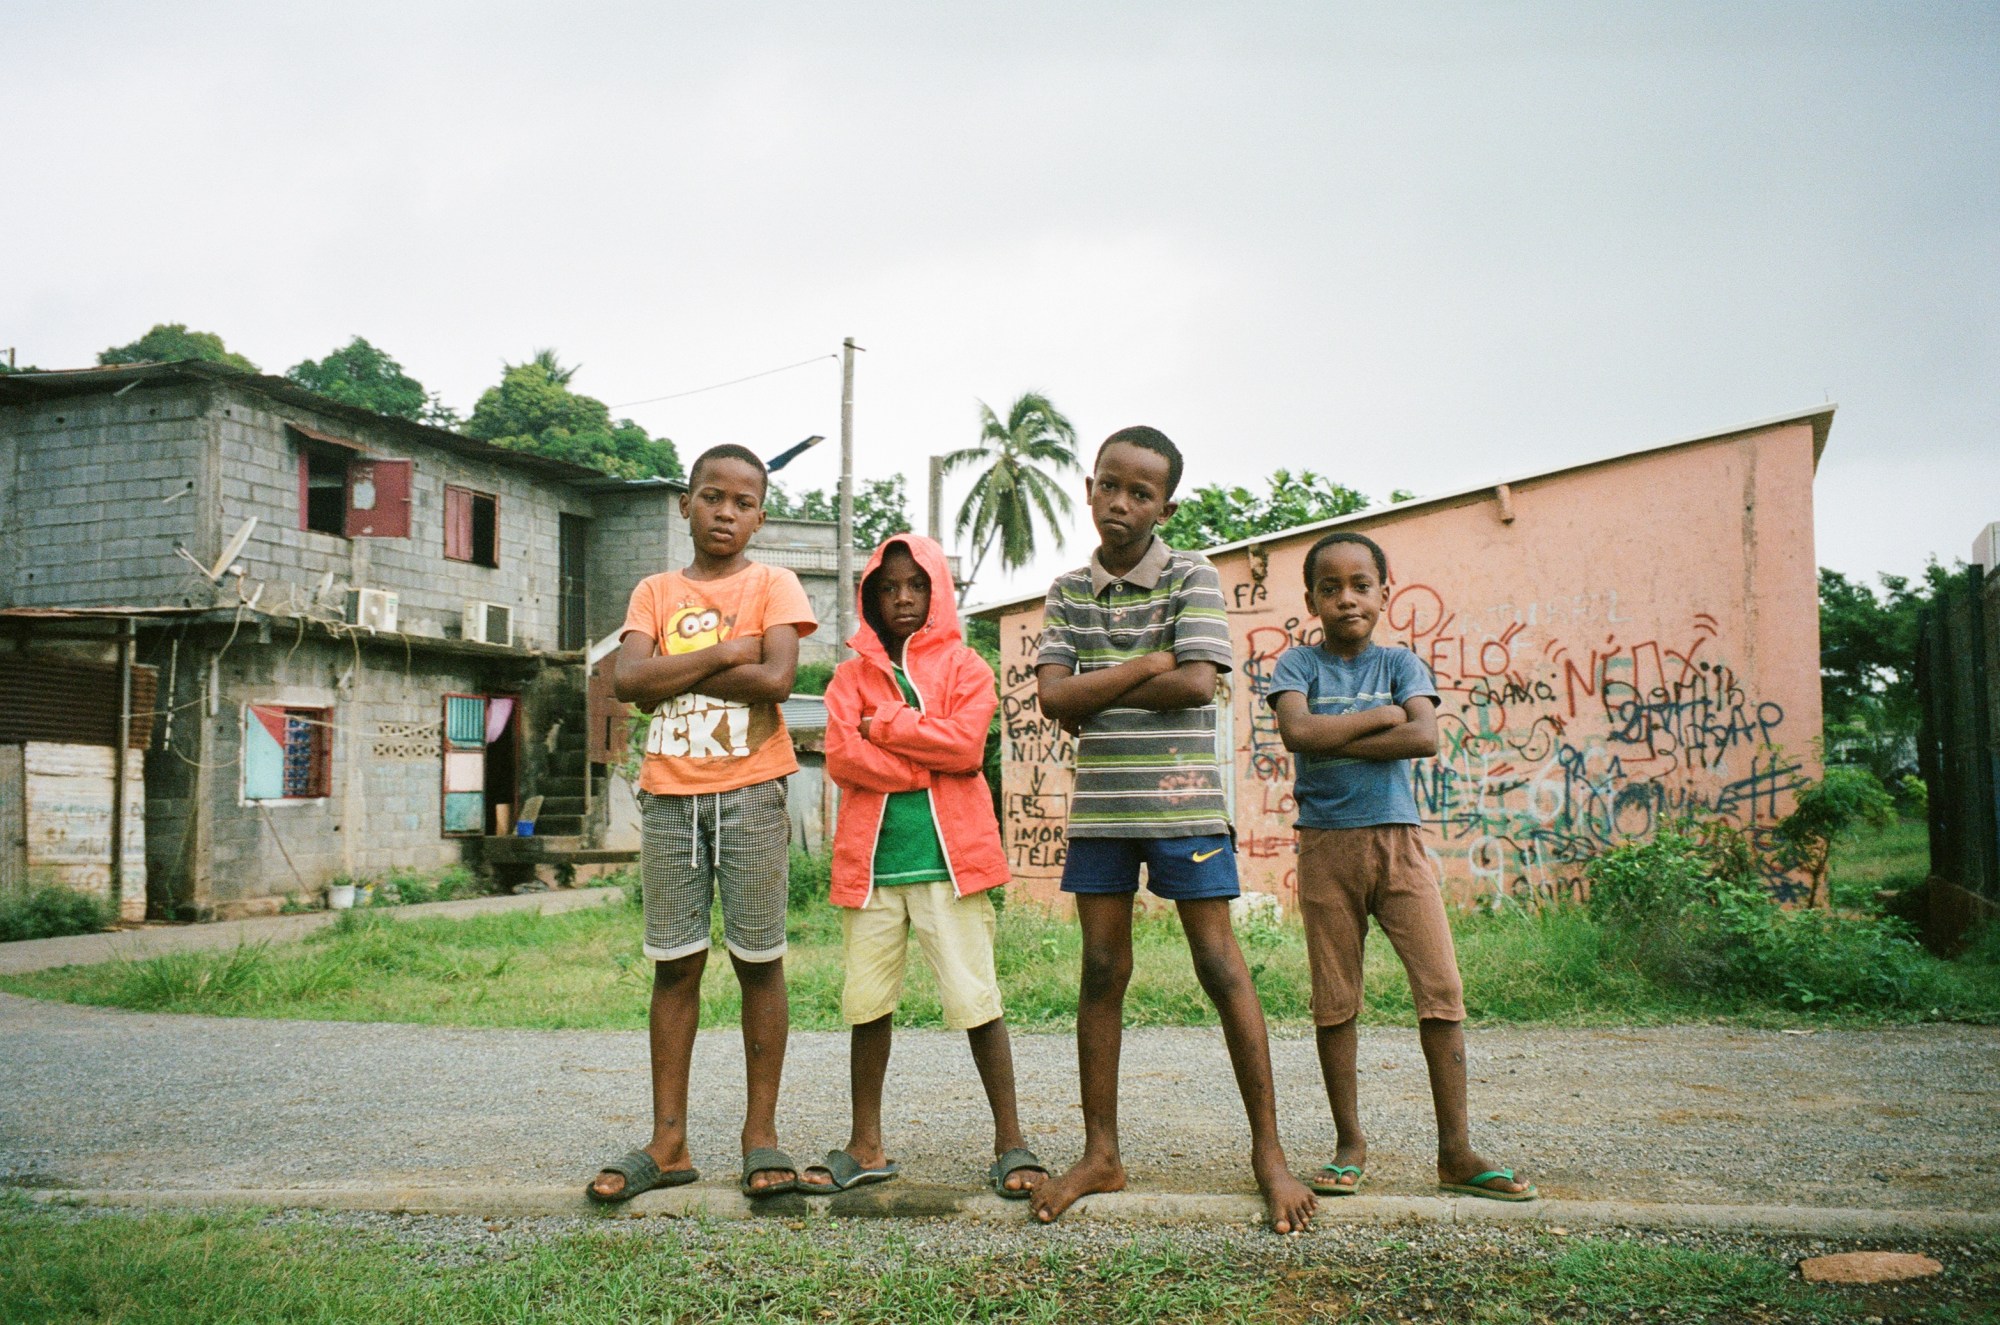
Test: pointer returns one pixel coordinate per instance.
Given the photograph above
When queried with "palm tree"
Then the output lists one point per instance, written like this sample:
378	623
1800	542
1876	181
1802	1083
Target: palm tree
1019	460
558	374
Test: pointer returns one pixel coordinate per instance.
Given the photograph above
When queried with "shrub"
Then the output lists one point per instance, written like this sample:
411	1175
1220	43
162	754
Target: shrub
1845	798
51	911
1693	918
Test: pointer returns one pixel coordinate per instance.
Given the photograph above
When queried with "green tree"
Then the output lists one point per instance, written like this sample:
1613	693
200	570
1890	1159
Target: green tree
1868	666
1213	514
533	409
1020	462
881	508
360	374
169	342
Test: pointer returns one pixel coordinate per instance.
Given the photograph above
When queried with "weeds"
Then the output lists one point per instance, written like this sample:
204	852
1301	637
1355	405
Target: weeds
51	911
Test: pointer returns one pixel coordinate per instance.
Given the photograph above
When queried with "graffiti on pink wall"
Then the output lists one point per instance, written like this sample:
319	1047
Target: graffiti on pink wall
1567	726
1564	730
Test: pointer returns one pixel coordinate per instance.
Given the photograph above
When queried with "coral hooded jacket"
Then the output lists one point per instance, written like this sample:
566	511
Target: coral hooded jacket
940	749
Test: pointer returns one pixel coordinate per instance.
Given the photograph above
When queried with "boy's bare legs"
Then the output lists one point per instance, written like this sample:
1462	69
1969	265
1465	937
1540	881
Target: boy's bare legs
867	1068
993	1054
671	1021
1444	1055
766	1023
1338	1048
1218	964
1106	919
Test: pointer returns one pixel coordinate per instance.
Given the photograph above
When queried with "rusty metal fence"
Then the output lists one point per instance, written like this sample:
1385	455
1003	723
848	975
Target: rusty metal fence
1958	681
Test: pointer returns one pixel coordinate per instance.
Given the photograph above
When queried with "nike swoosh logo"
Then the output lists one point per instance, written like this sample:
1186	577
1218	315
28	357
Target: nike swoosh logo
1200	856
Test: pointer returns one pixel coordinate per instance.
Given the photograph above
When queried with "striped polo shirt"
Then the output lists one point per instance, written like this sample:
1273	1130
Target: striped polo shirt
1141	773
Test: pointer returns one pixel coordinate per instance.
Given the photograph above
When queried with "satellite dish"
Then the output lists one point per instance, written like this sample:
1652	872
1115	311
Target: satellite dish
235	545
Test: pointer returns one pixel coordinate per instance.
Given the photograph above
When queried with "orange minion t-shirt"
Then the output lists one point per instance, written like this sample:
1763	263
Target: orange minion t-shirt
696	743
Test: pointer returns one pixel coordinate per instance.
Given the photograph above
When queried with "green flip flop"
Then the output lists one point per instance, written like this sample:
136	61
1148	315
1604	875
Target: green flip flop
1005	1167
768	1159
641	1174
846	1171
1472	1187
1333	1186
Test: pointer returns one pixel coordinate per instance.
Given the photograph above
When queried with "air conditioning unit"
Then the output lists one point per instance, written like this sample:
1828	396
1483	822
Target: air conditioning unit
374	609
488	623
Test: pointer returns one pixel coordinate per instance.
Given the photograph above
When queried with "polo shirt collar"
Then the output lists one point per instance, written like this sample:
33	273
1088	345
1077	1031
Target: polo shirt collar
1145	575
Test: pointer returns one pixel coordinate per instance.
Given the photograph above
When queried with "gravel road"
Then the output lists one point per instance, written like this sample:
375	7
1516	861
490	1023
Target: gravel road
1892	1119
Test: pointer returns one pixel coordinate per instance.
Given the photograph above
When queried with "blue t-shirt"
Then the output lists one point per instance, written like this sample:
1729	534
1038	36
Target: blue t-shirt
1334	791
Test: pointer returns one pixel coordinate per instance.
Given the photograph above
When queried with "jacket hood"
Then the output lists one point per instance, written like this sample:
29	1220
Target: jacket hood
941	629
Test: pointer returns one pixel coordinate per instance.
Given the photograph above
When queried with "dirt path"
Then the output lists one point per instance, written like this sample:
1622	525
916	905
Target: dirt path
1899	1119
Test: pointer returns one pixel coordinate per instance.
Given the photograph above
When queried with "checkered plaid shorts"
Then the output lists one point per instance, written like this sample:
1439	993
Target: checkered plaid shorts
737	843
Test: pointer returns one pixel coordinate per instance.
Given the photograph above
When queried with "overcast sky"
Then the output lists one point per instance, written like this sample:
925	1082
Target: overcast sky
1407	246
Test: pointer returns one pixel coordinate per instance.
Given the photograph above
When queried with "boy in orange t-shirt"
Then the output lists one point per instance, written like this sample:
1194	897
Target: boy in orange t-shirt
710	651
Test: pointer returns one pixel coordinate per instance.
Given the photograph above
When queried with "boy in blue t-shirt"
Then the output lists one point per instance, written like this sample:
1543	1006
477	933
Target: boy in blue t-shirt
1354	714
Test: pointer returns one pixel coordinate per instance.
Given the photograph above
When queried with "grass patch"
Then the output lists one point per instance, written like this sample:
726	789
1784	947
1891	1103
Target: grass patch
139	1269
1871	860
583	969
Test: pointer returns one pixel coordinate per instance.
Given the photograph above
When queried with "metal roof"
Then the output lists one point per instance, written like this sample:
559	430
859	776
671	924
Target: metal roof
68	382
1820	417
804	713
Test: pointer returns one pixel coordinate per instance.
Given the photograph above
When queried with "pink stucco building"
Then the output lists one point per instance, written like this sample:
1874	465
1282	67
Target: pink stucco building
1616	643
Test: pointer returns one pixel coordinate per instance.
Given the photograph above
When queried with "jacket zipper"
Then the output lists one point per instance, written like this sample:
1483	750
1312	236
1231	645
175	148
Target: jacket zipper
930	793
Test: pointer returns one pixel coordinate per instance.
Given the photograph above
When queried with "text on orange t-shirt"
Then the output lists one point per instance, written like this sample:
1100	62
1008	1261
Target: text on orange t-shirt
696	743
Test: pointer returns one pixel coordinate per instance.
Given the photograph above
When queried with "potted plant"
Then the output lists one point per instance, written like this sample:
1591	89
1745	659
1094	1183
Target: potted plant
340	893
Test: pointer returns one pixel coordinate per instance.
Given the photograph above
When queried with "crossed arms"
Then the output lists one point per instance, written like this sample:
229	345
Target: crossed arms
1393	731
750	669
890	747
1155	681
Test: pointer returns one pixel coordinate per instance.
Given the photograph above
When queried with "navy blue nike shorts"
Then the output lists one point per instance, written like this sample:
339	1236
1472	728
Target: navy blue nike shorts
1179	869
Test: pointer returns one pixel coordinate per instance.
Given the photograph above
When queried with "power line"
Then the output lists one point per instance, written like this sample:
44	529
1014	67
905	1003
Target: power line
734	381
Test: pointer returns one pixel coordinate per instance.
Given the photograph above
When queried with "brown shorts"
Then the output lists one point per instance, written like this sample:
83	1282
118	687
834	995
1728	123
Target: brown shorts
1349	874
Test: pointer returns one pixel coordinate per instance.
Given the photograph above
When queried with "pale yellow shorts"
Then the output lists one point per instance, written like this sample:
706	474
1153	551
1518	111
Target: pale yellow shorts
956	935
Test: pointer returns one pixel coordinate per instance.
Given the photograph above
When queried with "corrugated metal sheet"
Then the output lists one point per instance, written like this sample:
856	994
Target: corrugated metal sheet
71	702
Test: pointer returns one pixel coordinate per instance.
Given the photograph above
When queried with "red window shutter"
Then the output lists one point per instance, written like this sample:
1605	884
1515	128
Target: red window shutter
378	499
305	470
457	524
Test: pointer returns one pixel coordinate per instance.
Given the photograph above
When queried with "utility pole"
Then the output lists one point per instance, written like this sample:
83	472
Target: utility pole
937	499
844	609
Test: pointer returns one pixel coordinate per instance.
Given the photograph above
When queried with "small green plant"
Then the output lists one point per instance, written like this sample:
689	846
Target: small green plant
812	678
1845	798
50	911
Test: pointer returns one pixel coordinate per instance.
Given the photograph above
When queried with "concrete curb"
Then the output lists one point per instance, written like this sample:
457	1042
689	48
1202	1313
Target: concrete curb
914	1201
138	944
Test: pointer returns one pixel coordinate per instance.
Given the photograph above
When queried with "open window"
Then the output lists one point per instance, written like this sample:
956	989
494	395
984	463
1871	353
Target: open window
287	753
481	764
471	526
347	493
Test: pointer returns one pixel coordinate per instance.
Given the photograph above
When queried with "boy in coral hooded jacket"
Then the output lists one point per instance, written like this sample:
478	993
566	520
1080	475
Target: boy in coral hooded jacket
916	848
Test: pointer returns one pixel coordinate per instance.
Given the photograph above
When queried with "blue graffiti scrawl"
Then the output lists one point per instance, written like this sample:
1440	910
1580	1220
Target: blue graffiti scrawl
1549	755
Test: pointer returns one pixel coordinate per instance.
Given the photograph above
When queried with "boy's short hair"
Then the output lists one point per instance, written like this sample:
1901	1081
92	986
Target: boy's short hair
1147	439
1347	536
729	451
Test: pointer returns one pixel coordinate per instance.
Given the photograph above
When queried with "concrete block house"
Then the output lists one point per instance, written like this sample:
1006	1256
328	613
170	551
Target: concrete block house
331	642
1616	643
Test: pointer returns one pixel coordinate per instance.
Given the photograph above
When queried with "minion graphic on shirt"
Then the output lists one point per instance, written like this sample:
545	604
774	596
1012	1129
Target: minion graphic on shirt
693	628
696	726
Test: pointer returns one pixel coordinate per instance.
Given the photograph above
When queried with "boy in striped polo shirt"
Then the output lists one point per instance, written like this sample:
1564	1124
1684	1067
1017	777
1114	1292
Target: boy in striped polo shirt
1131	646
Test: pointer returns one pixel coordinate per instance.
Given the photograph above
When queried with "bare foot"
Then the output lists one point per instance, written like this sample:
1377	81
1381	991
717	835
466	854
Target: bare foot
609	1184
1344	1157
1290	1202
1460	1171
1092	1173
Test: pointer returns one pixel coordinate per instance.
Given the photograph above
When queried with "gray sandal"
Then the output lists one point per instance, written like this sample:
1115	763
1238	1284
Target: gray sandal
846	1171
768	1159
641	1174
1005	1167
